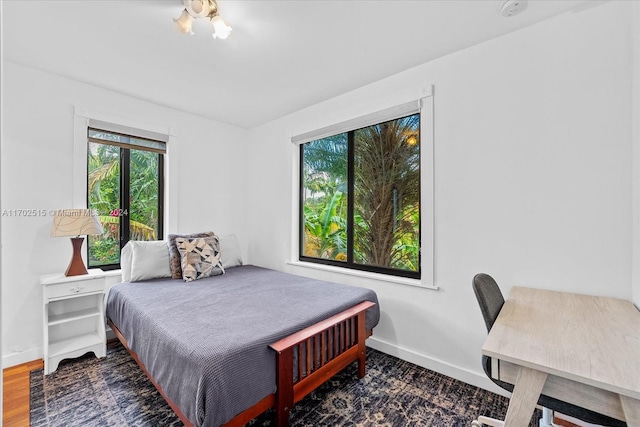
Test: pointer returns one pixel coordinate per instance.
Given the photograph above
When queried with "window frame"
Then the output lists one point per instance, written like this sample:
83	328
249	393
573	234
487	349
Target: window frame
125	187
427	186
85	117
350	263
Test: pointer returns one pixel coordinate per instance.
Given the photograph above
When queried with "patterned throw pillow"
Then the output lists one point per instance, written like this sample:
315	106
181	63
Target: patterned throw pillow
174	255
200	257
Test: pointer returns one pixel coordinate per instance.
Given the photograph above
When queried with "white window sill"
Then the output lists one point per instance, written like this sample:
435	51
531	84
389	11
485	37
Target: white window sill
364	274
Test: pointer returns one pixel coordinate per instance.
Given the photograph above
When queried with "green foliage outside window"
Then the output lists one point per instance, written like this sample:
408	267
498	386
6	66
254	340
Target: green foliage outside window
103	187
325	204
385	189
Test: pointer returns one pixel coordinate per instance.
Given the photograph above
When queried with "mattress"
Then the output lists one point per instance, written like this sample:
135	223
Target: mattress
206	343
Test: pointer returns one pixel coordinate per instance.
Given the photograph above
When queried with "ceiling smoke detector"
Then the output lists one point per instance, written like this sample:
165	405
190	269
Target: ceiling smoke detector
511	8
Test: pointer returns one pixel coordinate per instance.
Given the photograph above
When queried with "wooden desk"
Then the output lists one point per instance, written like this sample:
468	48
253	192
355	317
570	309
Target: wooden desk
577	348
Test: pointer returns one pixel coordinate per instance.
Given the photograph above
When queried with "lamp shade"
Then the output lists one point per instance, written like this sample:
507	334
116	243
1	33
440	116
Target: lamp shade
75	222
184	23
220	28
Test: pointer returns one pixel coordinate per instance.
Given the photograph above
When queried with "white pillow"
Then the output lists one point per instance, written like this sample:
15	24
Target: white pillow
150	260
125	262
230	254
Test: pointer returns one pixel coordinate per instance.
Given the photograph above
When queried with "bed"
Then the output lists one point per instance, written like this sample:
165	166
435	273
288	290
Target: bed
223	349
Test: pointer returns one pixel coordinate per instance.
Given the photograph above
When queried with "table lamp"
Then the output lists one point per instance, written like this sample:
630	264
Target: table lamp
75	222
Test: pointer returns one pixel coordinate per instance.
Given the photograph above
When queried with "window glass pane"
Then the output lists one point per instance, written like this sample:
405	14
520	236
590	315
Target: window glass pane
387	194
103	189
143	195
324	193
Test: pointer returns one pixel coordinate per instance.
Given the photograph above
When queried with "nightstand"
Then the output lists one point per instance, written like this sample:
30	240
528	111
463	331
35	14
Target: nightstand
74	322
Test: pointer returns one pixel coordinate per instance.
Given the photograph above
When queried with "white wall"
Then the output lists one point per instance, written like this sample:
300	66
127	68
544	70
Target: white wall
1	146
37	152
533	178
635	118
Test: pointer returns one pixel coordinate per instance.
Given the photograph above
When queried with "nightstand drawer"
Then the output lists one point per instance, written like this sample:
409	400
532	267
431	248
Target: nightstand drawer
69	289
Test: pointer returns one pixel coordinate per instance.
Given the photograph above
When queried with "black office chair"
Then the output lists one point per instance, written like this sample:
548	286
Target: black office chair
491	301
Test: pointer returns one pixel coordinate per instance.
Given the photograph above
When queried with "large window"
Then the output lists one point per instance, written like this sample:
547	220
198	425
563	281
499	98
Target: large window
360	198
125	186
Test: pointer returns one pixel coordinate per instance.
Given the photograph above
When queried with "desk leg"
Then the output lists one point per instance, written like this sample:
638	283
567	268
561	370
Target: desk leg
525	395
631	408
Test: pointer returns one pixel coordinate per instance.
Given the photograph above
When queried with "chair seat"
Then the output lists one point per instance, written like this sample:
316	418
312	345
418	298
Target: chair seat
559	405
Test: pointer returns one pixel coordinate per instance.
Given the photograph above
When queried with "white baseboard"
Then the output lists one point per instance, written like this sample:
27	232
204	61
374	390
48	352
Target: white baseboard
470	377
20	357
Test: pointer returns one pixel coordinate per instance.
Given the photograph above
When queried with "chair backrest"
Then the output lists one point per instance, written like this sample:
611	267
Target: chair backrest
489	298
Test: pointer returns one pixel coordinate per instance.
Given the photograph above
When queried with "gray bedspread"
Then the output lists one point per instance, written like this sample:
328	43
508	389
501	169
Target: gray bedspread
207	342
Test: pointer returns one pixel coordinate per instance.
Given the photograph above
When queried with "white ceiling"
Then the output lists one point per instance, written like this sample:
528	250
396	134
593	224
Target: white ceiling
282	56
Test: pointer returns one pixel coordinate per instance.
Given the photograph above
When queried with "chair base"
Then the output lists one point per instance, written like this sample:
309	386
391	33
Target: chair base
545	421
547	418
486	421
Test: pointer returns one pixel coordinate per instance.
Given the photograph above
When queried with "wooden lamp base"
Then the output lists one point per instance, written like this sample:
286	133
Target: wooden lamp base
76	266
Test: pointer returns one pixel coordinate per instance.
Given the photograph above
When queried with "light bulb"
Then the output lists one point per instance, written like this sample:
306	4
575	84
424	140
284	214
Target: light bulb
220	29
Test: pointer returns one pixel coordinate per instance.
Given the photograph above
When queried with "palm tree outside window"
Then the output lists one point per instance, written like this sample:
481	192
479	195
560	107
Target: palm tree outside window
125	181
360	198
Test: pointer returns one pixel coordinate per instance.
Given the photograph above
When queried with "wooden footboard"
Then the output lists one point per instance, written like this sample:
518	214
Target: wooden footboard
322	350
319	352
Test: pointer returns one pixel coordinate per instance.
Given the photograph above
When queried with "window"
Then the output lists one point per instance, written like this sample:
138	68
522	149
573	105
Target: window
360	198
125	186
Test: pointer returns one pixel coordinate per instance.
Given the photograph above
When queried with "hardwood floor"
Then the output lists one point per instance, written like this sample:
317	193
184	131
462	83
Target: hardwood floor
15	399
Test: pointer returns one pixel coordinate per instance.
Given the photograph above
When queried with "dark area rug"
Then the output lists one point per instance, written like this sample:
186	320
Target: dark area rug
114	391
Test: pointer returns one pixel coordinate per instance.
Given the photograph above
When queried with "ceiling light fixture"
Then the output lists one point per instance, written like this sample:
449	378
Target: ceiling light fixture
202	9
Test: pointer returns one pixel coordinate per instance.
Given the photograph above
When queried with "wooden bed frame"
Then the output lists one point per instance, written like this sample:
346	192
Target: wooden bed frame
322	350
